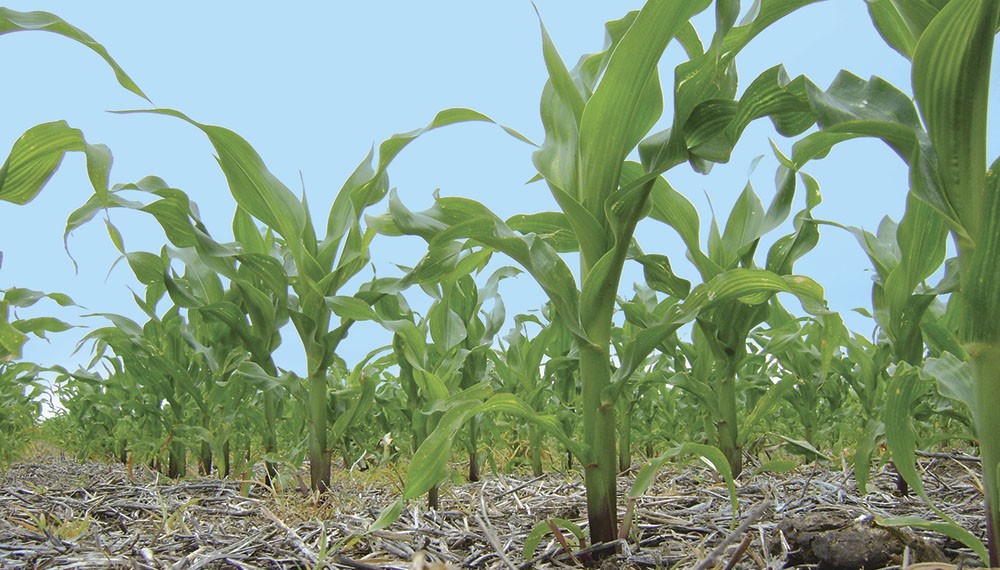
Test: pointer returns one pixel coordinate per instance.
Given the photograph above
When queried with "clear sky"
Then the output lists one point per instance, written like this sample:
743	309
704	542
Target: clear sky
313	85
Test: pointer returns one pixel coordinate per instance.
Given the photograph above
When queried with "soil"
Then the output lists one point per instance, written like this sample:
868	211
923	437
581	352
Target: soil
57	513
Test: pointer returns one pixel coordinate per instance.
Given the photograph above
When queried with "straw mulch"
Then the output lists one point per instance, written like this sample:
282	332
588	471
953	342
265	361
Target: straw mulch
56	513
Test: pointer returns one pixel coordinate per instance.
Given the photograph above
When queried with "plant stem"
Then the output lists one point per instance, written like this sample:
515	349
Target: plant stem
319	455
726	424
599	434
986	369
625	443
535	449
270	436
474	450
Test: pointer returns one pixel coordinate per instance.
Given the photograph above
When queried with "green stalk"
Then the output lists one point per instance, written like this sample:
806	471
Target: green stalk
726	424
319	455
535	449
205	457
625	443
985	359
981	307
474	450
270	436
599	434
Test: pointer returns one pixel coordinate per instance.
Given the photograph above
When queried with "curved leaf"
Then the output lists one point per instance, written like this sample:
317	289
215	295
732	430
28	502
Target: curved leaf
13	21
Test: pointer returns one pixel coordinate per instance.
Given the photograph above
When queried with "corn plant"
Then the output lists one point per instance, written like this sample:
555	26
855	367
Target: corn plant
20	409
594	116
460	325
805	356
14	331
642	405
520	369
941	135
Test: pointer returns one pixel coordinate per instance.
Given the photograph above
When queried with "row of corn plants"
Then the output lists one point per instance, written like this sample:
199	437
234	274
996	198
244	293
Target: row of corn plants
719	367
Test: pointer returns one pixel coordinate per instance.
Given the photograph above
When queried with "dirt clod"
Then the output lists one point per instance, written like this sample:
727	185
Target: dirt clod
848	539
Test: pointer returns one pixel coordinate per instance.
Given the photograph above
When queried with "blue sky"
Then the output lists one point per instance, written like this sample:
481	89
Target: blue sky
313	85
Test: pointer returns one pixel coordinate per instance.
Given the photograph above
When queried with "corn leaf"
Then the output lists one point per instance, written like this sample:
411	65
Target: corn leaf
947	528
37	154
951	81
735	284
253	186
13	21
711	454
901	441
629	90
11	339
901	23
463	219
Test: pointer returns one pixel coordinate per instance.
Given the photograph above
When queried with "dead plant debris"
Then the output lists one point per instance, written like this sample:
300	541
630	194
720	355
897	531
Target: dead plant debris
56	513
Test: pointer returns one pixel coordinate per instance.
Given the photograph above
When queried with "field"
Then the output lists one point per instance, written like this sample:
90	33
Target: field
685	398
59	513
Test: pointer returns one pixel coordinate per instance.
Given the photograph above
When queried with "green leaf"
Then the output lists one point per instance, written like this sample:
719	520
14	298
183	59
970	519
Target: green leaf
712	454
949	529
37	154
768	402
777	466
747	285
351	308
954	378
627	91
673	209
901	23
553	227
510	404
459	218
429	464
899	433
362	401
659	275
539	531
11	339
253	186
388	515
38	326
951	81
13	21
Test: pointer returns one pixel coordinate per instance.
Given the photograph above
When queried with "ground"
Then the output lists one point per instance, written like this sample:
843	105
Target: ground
56	513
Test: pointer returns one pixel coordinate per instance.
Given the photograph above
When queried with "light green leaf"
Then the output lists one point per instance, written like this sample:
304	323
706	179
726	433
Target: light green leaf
534	537
37	154
954	378
11	339
13	21
710	453
735	284
351	308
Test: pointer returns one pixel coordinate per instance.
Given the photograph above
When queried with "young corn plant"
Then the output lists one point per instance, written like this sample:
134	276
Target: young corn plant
721	338
941	134
20	409
594	116
14	331
460	326
322	266
520	369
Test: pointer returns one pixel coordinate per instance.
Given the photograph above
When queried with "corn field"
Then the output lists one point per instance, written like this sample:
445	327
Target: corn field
744	367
